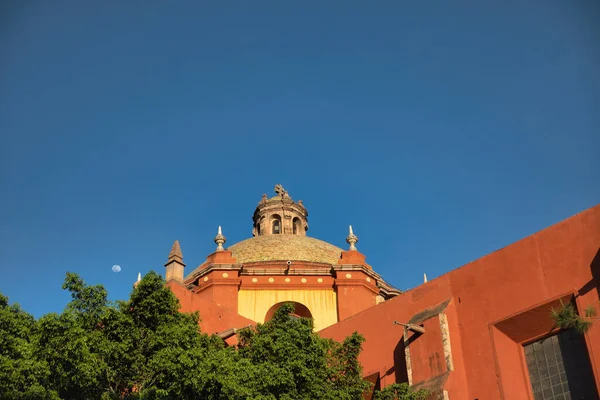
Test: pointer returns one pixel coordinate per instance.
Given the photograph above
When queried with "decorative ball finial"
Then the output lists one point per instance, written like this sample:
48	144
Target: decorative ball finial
352	239
220	240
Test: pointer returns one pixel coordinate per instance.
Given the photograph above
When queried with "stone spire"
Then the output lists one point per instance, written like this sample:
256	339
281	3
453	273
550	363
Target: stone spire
424	278
175	253
220	240
280	215
139	278
175	264
352	239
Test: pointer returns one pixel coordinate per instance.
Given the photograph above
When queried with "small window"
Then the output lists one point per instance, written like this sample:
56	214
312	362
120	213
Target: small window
276	227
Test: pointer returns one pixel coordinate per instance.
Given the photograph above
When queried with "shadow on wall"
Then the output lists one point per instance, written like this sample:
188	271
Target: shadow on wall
400	367
595	267
595	281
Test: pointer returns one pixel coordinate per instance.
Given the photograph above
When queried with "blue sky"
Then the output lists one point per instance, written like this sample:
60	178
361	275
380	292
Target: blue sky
441	131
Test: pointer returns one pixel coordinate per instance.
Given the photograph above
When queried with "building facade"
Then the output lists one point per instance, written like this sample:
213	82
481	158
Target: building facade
483	331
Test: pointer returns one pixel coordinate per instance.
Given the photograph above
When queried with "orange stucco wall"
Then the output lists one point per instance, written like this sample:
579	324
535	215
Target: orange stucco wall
214	318
354	294
487	296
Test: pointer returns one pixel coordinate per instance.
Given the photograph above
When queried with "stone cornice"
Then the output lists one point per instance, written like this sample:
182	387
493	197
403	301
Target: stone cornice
200	272
280	268
355	282
386	289
286	286
217	282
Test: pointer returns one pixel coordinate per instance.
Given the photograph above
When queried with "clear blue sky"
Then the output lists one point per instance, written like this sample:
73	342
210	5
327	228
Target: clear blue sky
441	131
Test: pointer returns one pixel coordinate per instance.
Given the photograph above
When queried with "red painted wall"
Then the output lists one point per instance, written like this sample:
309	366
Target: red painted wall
214	318
532	272
354	294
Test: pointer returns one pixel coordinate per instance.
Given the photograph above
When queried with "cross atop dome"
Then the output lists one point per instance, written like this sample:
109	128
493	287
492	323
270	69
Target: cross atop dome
280	215
281	191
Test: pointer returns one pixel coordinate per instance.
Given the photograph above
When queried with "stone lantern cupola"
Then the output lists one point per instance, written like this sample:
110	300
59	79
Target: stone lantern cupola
280	215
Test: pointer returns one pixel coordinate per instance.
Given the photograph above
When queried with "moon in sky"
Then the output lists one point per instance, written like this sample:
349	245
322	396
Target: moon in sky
116	268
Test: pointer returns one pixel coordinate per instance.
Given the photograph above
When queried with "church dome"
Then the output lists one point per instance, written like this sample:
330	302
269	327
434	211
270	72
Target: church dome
285	248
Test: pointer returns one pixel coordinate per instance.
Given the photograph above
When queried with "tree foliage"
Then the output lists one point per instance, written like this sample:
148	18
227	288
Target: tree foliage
566	317
400	391
22	375
144	348
292	362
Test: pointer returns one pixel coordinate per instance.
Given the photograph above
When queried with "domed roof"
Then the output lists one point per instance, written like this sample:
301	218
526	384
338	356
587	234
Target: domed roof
284	248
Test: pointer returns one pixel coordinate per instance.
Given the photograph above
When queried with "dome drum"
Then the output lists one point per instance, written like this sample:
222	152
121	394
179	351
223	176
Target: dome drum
279	215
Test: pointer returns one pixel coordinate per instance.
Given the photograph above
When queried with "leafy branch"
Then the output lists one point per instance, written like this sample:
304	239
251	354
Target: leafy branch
401	391
566	317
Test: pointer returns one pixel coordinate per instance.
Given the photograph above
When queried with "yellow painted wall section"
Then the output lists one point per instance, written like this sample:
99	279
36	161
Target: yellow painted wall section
254	304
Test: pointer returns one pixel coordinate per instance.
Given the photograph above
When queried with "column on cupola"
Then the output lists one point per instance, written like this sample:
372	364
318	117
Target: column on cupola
354	283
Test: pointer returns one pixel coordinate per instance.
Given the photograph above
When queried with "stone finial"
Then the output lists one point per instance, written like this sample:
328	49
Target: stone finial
220	240
424	278
352	239
264	198
139	279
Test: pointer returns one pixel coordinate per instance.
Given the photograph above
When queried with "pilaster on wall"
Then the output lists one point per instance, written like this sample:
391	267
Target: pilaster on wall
219	280
356	291
220	286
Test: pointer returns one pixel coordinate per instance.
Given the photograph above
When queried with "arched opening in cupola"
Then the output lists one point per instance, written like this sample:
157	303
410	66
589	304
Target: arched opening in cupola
297	226
276	225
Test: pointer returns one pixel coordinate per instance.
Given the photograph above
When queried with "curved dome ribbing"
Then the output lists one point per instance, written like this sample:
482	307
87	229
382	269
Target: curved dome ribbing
284	248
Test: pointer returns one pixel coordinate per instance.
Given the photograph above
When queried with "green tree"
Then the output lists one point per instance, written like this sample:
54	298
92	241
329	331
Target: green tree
290	361
22	376
400	391
141	348
144	348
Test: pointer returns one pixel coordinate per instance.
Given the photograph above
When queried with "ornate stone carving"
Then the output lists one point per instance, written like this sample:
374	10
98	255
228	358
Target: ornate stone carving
220	240
352	239
292	216
280	190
